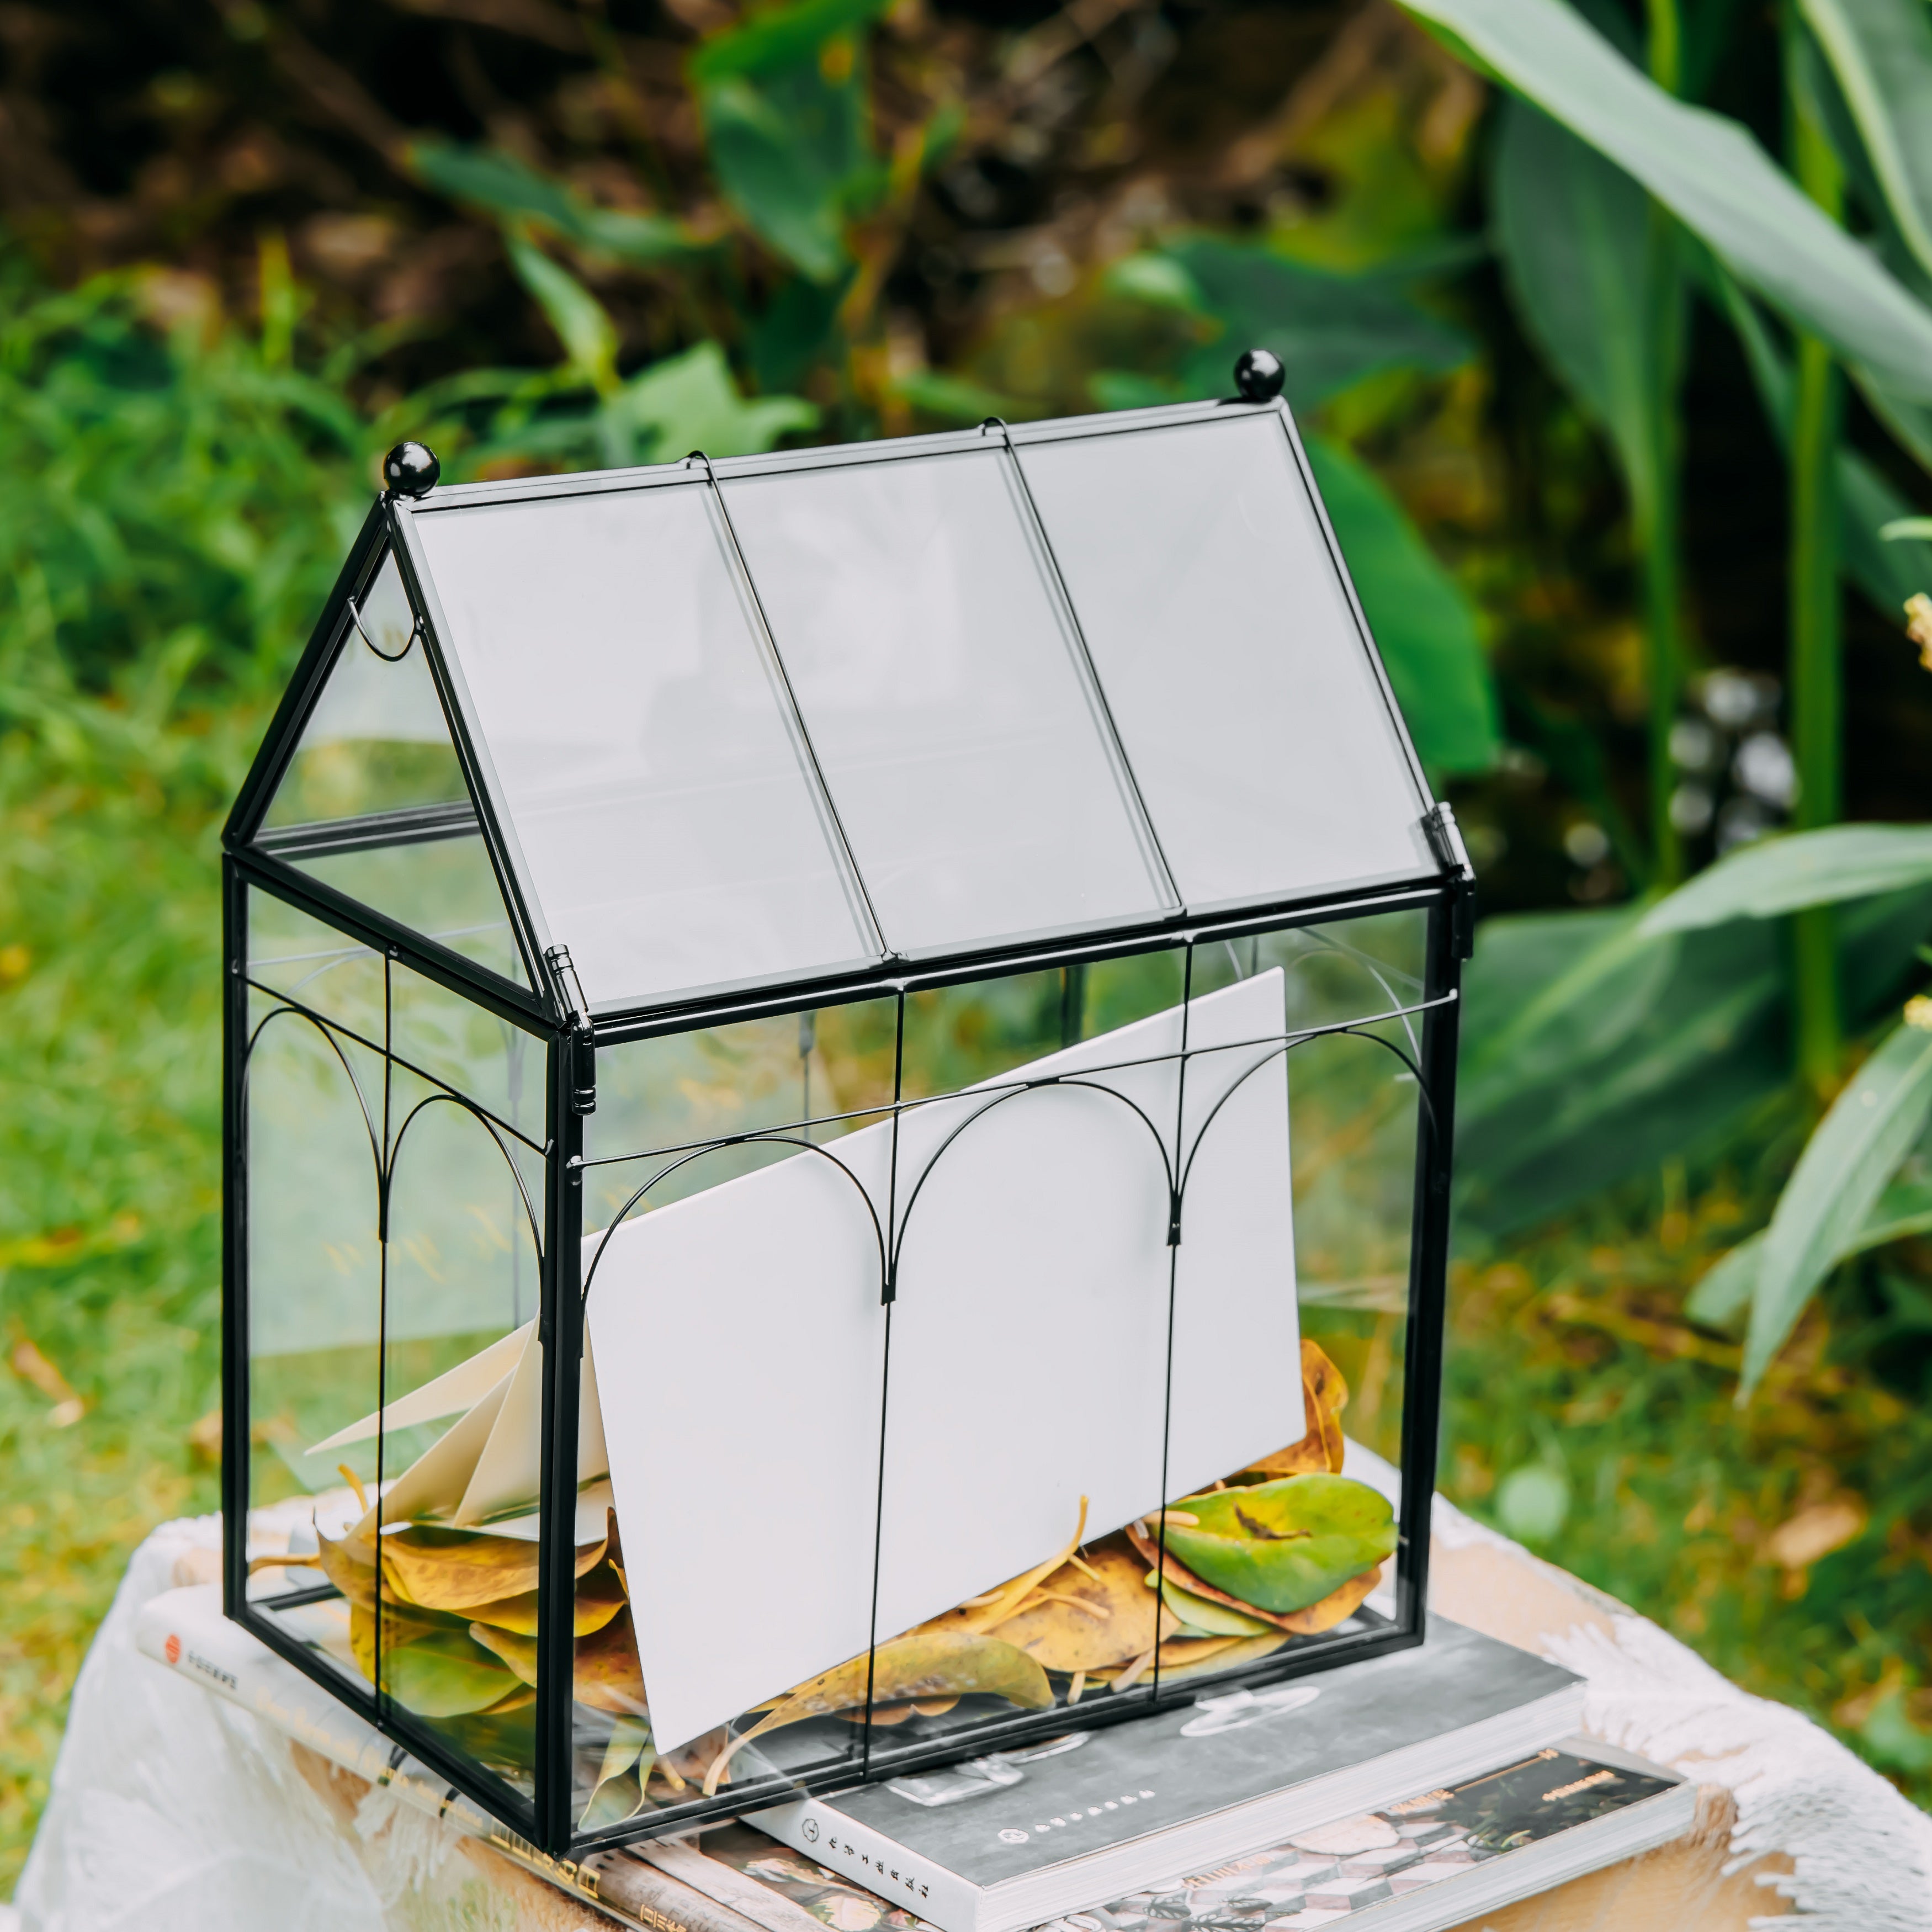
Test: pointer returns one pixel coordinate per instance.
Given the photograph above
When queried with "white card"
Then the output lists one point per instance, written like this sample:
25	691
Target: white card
741	1341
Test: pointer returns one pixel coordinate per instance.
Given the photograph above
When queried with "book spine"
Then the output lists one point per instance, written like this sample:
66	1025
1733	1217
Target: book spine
870	1859
654	1899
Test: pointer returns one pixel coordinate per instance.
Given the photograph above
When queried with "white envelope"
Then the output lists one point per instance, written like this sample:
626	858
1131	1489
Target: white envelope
742	1346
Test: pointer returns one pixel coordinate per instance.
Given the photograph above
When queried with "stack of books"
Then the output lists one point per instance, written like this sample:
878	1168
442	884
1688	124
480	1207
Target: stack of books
1407	1792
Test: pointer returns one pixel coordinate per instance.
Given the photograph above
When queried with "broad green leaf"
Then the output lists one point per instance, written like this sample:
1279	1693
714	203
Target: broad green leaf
1420	620
778	37
1780	875
489	178
1285	1545
689	402
1574	232
1710	173
445	1674
788	142
589	336
1881	52
1330	331
1869	507
1854	1152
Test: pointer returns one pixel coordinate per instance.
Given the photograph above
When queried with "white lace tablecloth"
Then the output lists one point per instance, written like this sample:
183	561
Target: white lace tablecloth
174	1811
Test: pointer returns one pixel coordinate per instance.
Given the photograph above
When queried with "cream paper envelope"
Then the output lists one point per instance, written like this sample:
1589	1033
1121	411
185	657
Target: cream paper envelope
1029	1352
490	1462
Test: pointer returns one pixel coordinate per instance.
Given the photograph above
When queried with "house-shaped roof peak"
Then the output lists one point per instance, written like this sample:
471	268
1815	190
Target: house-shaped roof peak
779	718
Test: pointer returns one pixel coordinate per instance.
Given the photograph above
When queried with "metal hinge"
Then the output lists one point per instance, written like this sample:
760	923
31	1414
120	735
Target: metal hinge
583	1035
1445	840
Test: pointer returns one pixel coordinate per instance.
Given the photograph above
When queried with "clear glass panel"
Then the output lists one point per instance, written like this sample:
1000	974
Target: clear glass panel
944	699
813	1076
315	966
376	741
444	888
1025	1193
314	1294
1321	1126
639	737
460	1443
374	802
1248	710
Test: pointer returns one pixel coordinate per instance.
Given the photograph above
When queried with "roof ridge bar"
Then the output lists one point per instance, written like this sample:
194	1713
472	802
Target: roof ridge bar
855	880
1096	692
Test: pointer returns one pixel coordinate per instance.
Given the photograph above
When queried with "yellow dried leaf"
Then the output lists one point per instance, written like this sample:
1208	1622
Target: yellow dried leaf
1077	1622
450	1569
600	1596
925	1663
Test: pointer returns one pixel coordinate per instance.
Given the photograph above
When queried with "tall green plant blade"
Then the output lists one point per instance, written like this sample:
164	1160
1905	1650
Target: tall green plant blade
487	178
1591	1054
1887	573
1856	1149
1593	265
1710	172
1421	621
1902	1210
1572	231
1778	876
1881	52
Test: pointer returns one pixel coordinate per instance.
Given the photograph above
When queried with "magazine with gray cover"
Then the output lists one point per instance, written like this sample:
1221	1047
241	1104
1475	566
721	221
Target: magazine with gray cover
1435	1858
1020	1836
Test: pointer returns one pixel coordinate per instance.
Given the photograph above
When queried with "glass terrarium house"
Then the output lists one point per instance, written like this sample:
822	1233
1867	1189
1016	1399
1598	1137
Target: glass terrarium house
837	1063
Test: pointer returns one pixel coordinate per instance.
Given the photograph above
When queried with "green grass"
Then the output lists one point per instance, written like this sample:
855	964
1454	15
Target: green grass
1586	1416
109	1243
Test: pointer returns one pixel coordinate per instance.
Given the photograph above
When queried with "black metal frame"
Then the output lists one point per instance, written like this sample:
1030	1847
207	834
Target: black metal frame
553	1012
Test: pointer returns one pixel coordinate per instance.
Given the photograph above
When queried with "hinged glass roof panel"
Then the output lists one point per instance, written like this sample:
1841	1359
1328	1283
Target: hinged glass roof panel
373	801
1244	693
658	785
947	699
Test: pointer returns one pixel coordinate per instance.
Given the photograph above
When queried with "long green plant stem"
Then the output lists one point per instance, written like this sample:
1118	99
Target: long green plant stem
1656	495
1816	671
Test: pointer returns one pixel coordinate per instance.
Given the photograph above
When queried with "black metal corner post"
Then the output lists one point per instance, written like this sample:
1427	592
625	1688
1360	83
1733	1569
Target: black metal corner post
234	1240
560	1331
1449	927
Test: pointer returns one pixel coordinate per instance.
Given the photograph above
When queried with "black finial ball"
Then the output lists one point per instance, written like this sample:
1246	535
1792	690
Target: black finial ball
410	469
1259	375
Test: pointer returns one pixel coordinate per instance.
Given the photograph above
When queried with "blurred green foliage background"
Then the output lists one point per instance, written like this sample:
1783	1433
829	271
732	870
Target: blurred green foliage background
1612	504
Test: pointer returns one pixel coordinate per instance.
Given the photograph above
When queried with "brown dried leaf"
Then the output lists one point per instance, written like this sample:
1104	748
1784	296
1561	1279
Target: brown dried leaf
1089	1622
1324	1397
